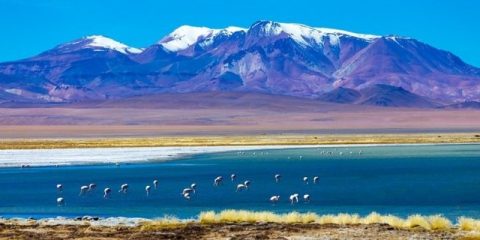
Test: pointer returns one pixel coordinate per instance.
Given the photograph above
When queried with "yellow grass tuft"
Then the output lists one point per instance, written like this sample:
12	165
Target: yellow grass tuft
163	223
468	224
417	221
372	218
207	217
437	222
326	219
393	221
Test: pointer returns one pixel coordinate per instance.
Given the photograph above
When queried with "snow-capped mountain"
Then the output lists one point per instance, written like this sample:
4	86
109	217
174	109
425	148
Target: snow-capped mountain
268	57
96	43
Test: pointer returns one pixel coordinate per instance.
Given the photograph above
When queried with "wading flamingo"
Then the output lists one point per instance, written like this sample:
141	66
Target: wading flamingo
123	188
294	198
83	190
274	199
217	181
106	192
277	177
306	198
147	189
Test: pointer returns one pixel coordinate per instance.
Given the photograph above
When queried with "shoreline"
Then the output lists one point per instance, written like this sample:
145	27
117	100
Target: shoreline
130	155
117	155
246	224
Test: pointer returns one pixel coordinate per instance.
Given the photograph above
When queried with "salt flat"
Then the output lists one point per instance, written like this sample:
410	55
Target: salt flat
76	156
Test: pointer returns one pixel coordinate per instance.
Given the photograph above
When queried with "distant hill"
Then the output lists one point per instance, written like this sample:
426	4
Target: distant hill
378	95
464	105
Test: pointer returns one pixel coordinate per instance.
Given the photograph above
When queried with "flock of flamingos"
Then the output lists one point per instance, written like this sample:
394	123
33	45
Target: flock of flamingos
189	191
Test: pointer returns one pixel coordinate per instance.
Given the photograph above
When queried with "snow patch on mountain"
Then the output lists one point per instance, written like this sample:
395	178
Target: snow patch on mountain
331	31
305	35
98	41
186	36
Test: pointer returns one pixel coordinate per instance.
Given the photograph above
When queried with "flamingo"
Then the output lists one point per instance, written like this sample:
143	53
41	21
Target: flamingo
294	198
241	187
315	179
306	198
92	186
274	199
147	189
60	187
233	177
83	190
187	190
217	181
155	183
305	180
60	201
106	192
123	188
277	177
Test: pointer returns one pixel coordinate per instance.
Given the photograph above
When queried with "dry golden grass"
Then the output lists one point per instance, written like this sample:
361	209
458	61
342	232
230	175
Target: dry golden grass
417	221
468	224
240	140
431	223
438	222
163	223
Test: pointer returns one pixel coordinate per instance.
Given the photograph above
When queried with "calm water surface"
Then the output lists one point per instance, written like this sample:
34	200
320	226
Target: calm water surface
400	180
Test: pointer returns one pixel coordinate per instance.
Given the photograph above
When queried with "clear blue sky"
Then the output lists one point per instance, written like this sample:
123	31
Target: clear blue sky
29	27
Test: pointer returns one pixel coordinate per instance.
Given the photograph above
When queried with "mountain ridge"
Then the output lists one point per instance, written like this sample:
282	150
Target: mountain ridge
268	57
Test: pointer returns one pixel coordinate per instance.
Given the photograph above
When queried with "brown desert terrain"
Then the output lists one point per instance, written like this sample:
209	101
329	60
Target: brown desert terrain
224	114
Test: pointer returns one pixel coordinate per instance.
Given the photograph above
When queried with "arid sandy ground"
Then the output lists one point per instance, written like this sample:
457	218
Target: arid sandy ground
239	120
224	231
66	123
223	114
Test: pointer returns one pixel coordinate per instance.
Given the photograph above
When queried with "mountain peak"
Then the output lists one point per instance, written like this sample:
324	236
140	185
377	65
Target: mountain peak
98	43
186	36
303	34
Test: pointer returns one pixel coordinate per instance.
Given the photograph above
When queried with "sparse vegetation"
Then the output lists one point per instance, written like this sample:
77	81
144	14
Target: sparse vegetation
163	223
241	224
434	223
237	140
